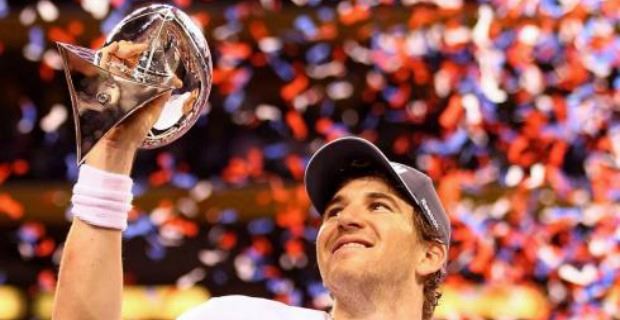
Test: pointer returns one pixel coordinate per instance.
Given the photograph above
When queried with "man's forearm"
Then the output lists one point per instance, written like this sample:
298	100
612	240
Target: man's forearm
90	282
112	158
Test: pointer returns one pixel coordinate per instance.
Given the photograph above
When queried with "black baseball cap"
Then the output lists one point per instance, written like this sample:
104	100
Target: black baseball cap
338	159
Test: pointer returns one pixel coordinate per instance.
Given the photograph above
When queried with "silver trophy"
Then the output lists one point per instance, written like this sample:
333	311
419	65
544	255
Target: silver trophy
172	56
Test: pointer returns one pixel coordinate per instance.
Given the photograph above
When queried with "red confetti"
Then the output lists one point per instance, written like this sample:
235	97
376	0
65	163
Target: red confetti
11	207
20	167
297	124
60	35
294	88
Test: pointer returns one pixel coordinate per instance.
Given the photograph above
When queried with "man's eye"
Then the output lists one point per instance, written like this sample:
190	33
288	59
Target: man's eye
380	206
332	212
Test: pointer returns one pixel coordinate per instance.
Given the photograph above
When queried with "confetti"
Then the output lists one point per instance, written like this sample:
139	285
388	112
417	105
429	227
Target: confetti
510	106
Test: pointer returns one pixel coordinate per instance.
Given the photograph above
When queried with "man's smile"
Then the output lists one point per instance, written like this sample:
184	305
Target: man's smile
350	242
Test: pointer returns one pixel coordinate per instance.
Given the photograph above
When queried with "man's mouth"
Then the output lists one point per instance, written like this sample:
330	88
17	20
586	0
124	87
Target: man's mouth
350	243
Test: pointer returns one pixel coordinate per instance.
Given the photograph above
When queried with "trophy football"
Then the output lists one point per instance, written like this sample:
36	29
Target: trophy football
171	55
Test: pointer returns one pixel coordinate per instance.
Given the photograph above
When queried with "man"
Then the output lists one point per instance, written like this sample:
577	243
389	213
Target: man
381	249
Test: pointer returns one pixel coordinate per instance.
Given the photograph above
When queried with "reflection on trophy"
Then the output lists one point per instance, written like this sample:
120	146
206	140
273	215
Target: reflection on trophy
154	50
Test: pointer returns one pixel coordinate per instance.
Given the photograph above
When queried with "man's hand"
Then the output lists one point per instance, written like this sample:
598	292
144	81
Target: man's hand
122	53
116	150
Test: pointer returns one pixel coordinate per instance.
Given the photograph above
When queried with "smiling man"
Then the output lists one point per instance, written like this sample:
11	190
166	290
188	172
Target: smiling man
383	243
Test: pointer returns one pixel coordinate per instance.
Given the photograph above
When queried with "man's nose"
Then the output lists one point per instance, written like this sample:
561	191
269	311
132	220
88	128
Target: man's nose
350	218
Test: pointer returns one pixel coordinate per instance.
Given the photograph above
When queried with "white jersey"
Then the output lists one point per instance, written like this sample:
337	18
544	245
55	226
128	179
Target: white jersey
249	308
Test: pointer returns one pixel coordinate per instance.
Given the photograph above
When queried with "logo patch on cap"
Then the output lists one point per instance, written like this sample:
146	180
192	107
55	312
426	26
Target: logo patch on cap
399	168
430	213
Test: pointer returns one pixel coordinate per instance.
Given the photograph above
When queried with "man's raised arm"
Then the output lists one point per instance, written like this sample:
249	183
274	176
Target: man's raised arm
90	282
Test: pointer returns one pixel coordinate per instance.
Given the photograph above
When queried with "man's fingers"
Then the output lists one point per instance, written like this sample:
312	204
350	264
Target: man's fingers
106	53
150	113
129	50
105	59
160	101
189	103
176	82
125	51
112	48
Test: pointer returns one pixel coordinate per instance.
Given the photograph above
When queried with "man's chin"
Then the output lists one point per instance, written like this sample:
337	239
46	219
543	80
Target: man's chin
348	269
345	280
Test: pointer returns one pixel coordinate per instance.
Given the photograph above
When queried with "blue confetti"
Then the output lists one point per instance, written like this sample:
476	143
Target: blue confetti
28	235
318	53
282	68
279	286
36	37
139	228
276	151
184	180
261	226
112	21
327	108
326	14
4	9
316	289
233	101
29	117
155	251
139	187
228	216
310	233
304	24
72	168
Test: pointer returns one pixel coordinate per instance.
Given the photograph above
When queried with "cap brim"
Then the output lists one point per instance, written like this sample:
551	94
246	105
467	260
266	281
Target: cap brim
333	162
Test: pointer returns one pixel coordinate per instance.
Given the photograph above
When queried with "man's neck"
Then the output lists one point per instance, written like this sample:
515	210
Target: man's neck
378	304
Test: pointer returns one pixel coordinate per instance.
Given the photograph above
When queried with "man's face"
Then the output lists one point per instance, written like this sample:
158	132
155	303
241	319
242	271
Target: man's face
367	234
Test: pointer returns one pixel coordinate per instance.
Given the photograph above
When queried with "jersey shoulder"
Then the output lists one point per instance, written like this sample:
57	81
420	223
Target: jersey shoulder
245	308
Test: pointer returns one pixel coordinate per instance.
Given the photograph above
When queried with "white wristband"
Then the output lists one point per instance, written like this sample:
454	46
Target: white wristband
101	198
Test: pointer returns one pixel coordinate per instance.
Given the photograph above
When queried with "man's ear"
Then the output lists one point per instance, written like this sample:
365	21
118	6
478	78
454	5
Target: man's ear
432	259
